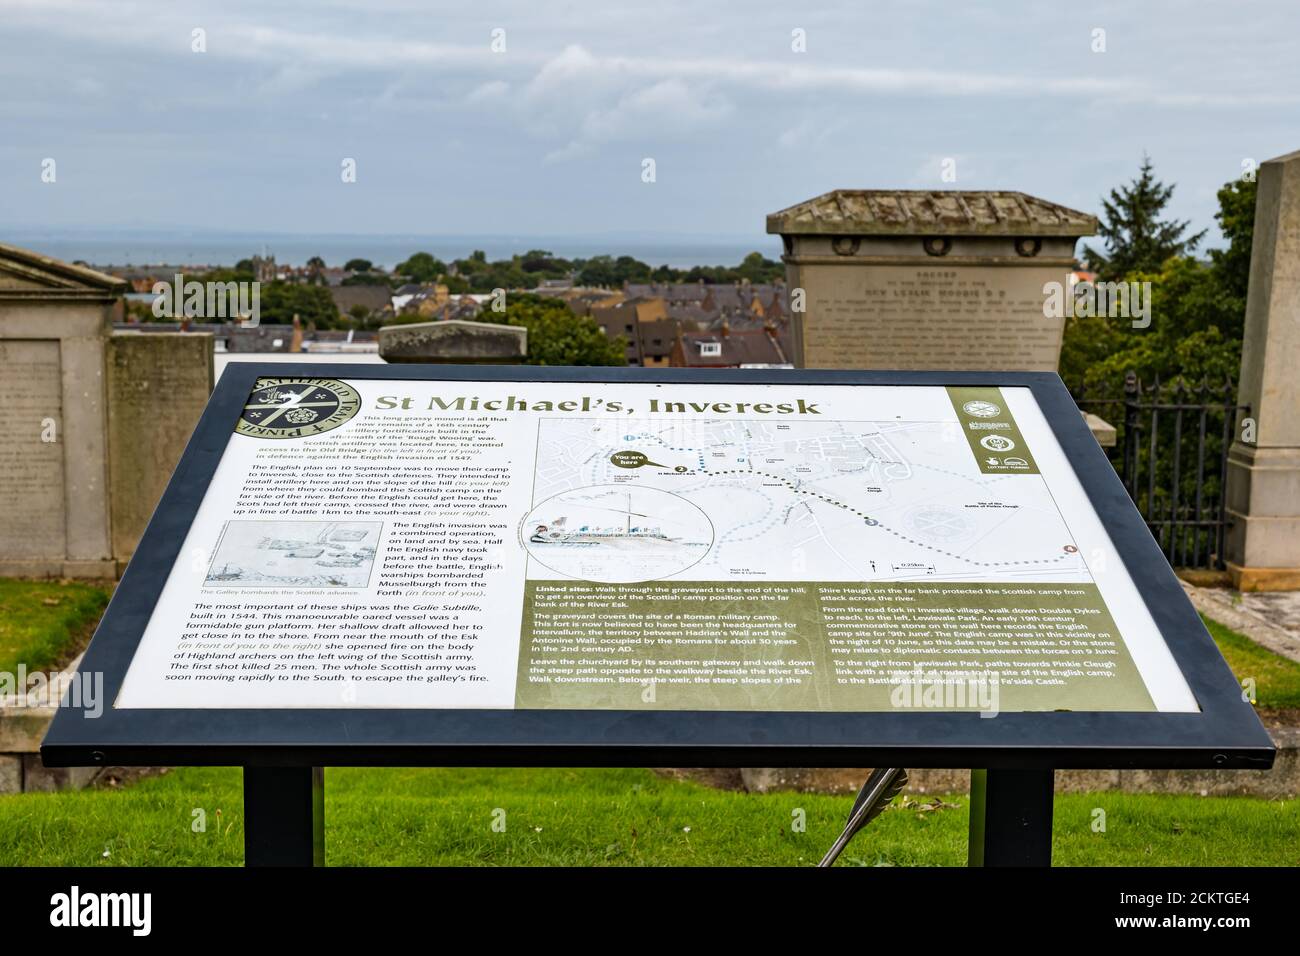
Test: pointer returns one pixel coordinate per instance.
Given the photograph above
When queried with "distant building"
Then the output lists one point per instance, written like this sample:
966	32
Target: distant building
582	301
728	348
427	301
264	269
375	299
643	324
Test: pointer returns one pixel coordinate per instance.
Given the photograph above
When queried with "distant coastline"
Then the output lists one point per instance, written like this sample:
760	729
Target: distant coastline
225	249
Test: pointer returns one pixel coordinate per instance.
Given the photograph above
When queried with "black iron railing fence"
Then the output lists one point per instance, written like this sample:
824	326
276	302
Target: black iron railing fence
1172	454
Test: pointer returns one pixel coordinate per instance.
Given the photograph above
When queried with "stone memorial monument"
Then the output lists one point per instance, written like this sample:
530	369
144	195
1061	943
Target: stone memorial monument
911	279
1263	493
91	423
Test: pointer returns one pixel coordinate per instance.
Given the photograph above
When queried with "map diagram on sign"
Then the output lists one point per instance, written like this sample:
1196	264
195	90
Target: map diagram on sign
800	500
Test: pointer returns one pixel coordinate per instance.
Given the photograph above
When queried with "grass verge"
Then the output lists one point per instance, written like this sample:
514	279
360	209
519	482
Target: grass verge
445	817
42	621
1277	678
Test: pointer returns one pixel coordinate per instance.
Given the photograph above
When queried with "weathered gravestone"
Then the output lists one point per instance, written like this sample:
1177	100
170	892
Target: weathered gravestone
910	279
1263	494
454	341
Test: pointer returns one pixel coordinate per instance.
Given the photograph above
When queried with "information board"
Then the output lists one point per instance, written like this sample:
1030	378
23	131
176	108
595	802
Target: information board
720	547
360	540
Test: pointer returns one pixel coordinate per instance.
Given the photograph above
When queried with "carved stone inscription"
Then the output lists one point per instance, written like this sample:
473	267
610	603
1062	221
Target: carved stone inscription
31	451
929	317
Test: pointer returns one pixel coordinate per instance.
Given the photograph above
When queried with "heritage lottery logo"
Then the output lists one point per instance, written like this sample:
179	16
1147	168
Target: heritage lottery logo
297	407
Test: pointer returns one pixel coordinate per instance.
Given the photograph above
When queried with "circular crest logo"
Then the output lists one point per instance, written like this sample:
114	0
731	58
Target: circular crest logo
981	409
297	407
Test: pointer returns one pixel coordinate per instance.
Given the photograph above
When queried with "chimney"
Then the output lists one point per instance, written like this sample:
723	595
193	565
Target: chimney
295	344
726	328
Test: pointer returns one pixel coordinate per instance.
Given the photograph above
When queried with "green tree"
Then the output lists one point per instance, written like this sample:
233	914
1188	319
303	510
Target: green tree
316	270
1236	218
366	278
358	265
1198	312
758	268
422	267
1137	239
556	335
545	262
608	272
281	301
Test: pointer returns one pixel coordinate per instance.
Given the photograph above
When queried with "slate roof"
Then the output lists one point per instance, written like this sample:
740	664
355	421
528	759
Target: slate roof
373	297
757	347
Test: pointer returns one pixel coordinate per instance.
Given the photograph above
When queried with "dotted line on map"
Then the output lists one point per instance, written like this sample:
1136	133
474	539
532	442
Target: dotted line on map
872	522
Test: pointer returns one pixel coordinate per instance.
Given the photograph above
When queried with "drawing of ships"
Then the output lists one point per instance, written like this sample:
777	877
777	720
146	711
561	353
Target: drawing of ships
343	561
225	574
560	532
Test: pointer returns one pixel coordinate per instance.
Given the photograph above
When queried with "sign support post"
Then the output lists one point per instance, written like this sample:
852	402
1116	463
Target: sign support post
284	816
1010	817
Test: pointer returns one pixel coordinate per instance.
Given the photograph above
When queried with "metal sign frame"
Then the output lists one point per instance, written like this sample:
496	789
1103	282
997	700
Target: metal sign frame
1225	734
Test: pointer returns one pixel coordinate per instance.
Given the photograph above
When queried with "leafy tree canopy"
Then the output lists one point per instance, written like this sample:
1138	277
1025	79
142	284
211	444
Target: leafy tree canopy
556	335
280	301
1197	313
1137	239
421	267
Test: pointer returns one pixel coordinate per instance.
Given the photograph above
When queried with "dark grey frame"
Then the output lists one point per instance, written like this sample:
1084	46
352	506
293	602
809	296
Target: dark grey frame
1225	734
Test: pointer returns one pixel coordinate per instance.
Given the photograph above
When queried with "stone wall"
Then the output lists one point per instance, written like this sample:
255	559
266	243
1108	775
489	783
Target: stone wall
158	386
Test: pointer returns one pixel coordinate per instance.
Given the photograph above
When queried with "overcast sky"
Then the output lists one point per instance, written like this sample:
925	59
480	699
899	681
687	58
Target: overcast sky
548	137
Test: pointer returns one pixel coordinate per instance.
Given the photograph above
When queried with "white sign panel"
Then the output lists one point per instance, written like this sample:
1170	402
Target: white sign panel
436	544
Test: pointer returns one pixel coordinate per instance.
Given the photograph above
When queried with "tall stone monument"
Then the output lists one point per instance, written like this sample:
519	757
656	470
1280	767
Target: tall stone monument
1263	494
91	423
55	322
910	279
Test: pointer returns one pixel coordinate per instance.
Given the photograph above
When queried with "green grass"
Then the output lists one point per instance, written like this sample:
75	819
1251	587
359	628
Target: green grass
593	817
39	620
610	817
1277	679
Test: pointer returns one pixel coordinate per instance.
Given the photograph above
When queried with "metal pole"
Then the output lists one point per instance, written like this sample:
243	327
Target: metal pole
1010	818
284	816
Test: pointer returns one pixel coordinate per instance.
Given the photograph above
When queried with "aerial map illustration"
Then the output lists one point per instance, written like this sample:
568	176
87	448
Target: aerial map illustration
833	500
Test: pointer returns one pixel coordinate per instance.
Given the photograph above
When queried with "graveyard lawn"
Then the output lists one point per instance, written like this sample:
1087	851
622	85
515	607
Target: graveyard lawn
1277	679
442	817
44	624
